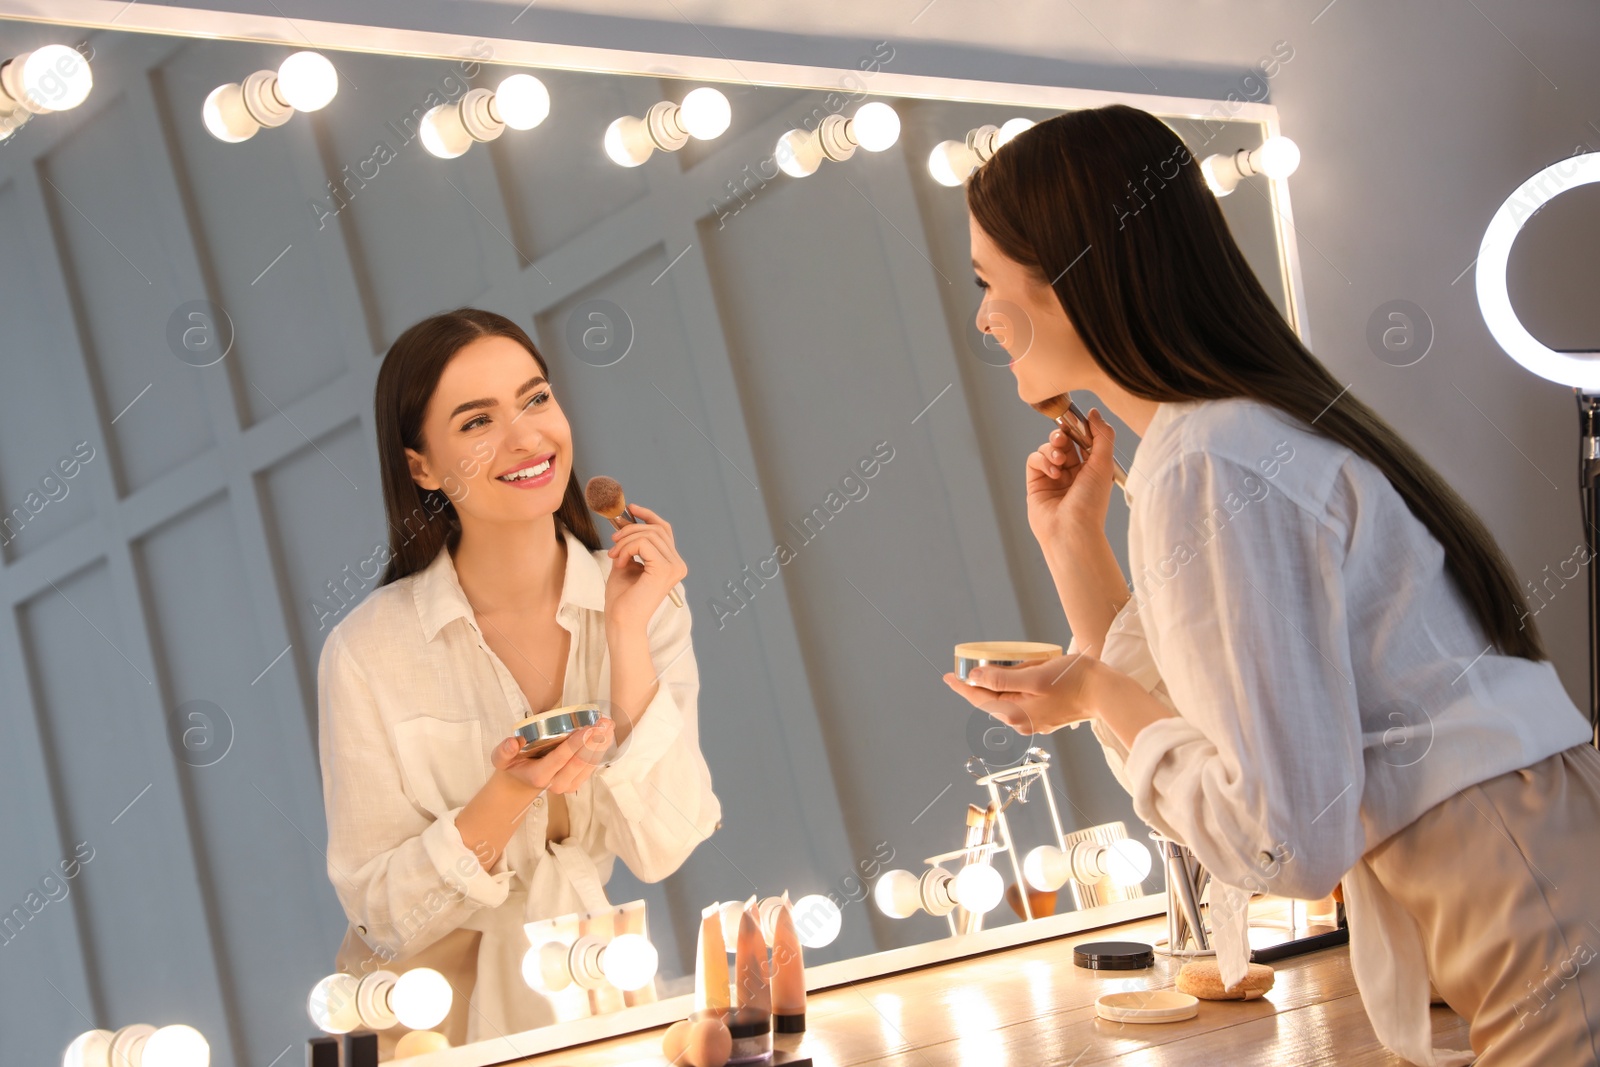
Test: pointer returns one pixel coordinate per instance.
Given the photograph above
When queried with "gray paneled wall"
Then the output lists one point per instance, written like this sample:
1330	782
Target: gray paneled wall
167	603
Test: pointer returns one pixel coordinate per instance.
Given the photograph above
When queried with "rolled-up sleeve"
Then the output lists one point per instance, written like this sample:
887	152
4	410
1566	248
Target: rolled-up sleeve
1126	650
654	803
404	877
1261	773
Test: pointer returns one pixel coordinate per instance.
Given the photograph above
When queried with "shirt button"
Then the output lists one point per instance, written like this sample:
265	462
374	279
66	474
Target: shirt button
361	929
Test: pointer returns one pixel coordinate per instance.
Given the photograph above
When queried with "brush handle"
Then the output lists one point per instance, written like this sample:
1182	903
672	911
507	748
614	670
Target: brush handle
1075	425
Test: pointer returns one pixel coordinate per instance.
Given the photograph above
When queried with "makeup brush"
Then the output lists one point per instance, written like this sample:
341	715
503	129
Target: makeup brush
1075	424
605	496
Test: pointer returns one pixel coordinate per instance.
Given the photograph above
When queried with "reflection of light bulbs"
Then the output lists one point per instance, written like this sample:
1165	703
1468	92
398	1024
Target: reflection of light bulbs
225	116
420	1043
978	887
876	126
332	1004
1046	868
443	133
627	142
421	998
898	894
52	78
705	113
523	101
1010	128
629	962
951	162
817	920
89	1049
799	153
728	913
1126	862
307	81
176	1046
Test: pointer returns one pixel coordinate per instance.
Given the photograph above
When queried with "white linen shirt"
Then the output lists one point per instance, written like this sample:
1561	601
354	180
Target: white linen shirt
1330	681
410	702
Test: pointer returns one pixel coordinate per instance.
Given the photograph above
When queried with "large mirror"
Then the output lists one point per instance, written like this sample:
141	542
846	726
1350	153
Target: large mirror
185	524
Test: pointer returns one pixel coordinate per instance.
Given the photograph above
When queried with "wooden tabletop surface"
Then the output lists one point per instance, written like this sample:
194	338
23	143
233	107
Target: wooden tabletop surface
1032	1006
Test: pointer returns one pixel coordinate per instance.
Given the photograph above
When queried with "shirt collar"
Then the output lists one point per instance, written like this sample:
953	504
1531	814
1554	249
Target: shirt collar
1144	454
439	598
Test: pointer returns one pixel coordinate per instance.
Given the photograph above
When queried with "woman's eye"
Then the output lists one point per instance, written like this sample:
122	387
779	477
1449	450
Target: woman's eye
537	400
980	283
474	422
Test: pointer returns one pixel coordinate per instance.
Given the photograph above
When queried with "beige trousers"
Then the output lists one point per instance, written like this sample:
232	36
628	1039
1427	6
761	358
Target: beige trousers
1503	879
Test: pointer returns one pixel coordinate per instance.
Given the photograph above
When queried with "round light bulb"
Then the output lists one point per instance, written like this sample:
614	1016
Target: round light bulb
420	1043
1010	128
56	77
1279	157
307	81
332	1004
877	126
978	887
421	998
625	144
88	1049
1046	868
176	1046
728	913
950	163
705	113
1127	862
523	101
629	962
798	153
225	116
898	894
442	132
817	920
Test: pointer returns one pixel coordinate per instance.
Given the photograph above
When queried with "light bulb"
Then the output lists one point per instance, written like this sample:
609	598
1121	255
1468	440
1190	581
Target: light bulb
421	998
817	920
951	162
89	1049
1278	157
1126	862
443	133
627	142
420	1043
898	894
544	967
876	126
523	101
307	81
798	153
54	78
1046	868
176	1046
705	113
629	962
225	116
1010	128
728	913
978	887
1221	174
332	1004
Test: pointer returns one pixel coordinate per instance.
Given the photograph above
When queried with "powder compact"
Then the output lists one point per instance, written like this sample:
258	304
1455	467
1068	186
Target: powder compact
1002	654
547	729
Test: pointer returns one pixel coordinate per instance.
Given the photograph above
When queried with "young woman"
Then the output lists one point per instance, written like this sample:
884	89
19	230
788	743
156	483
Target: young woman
1323	673
498	601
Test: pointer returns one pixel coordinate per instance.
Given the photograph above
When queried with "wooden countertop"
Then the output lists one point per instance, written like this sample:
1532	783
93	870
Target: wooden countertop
1031	1006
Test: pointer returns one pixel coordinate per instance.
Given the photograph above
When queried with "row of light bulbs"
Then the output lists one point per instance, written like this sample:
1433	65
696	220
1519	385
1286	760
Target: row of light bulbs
56	78
139	1045
978	887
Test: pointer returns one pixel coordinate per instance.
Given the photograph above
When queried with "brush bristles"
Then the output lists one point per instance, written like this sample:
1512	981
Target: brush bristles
1055	407
604	496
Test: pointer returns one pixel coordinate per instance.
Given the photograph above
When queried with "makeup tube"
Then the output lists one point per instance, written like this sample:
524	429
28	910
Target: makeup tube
788	975
750	965
711	964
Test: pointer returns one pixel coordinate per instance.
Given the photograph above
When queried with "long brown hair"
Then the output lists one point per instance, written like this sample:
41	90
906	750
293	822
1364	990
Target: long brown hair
1168	307
421	522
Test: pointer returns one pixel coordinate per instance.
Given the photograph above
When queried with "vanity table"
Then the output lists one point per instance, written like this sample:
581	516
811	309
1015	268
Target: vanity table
1032	1005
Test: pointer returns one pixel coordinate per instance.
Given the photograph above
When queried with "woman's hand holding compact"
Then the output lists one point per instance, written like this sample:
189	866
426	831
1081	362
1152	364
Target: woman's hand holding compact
564	768
1035	699
633	592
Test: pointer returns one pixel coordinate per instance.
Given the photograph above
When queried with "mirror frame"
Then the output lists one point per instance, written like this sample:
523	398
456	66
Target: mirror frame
139	17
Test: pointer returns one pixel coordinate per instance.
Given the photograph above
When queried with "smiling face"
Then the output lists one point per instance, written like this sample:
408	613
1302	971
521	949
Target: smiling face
494	438
1021	311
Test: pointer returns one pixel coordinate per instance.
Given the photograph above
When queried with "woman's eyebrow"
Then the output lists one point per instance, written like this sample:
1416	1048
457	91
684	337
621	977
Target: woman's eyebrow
469	405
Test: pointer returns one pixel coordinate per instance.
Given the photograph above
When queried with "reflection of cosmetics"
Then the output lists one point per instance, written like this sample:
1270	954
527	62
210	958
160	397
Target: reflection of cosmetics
750	973
751	1033
1075	424
544	731
972	654
604	495
788	975
711	964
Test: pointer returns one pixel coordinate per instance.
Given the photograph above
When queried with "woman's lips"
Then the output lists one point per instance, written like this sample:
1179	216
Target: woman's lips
536	482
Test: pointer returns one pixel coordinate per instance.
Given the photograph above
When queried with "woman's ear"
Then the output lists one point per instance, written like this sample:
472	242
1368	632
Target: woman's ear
420	473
